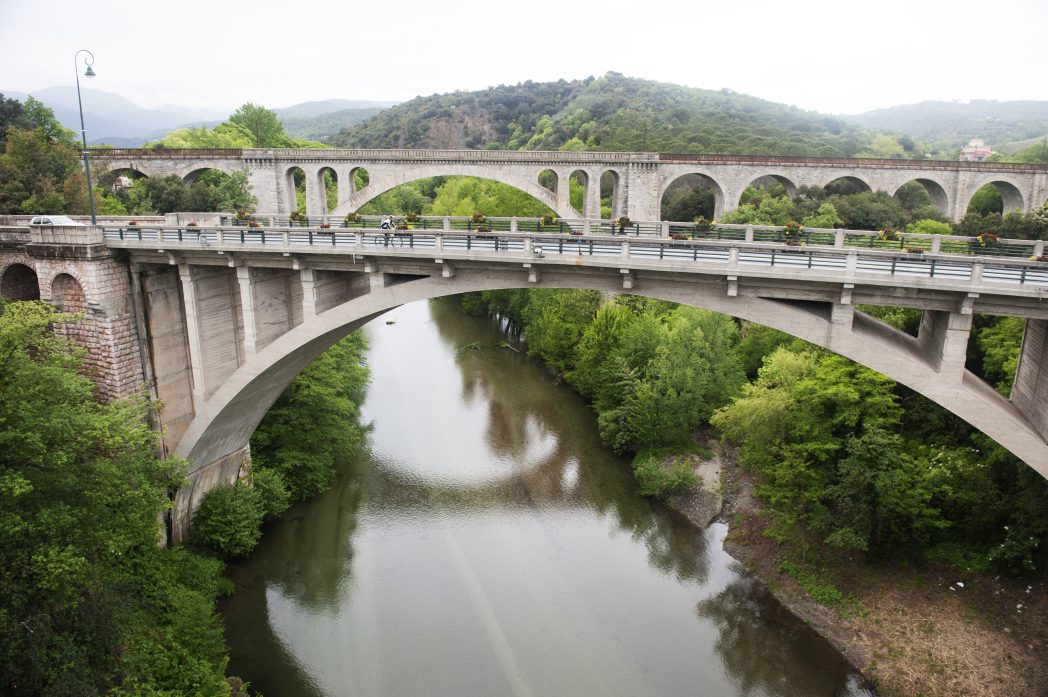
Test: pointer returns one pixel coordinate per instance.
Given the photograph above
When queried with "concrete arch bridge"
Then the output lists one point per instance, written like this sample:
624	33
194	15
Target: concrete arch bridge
218	321
638	181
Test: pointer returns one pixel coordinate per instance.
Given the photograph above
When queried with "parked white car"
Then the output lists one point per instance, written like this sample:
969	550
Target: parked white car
53	220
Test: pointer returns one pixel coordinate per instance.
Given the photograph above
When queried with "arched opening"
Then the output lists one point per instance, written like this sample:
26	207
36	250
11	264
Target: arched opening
295	189
579	185
67	294
456	196
923	194
775	184
548	180
692	196
610	205
327	182
995	197
358	179
120	179
19	282
847	186
204	174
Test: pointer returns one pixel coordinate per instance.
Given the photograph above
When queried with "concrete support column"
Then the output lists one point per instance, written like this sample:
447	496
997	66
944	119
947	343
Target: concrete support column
196	346
839	330
309	293
943	337
1030	389
247	305
345	188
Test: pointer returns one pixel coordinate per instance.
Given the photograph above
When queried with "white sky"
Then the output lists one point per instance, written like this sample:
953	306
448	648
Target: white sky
832	56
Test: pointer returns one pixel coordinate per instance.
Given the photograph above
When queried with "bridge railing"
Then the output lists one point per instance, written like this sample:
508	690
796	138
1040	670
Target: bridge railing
732	253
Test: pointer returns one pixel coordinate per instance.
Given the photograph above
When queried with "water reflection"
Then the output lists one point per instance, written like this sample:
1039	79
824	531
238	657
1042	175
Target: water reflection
487	544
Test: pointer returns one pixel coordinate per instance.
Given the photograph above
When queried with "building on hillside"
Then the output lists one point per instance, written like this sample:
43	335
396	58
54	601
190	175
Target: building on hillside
975	151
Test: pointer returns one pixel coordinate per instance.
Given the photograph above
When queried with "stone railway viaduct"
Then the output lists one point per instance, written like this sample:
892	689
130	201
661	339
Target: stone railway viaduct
216	322
638	181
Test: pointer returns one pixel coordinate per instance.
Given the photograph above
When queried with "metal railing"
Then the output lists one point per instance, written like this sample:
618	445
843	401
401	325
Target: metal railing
721	247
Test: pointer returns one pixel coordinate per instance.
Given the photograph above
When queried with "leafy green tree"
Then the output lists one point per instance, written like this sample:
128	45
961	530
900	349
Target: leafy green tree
89	604
229	520
925	226
263	125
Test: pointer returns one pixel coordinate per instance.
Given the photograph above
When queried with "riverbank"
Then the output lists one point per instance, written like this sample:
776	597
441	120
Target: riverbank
911	631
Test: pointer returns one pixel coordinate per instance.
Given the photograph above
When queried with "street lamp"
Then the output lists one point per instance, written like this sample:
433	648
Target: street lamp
83	132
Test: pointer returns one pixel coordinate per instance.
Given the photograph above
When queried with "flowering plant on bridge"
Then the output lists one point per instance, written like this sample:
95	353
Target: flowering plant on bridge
988	239
889	235
325	226
351	218
297	217
622	221
478	217
703	225
242	217
915	250
792	230
411	217
548	220
678	236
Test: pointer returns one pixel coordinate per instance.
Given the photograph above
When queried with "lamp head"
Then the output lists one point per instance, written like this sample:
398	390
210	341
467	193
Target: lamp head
90	72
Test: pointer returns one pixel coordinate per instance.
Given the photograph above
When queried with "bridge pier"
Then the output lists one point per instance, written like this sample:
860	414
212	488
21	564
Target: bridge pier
1030	389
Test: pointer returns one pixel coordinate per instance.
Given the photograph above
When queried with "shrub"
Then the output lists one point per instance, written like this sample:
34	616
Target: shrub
660	481
272	490
229	520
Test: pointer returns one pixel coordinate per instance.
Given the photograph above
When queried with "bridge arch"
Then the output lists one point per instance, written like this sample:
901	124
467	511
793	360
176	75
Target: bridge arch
1011	194
695	181
382	181
19	282
937	192
778	178
230	415
848	184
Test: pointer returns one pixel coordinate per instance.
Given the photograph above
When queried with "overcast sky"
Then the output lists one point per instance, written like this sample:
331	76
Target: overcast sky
832	56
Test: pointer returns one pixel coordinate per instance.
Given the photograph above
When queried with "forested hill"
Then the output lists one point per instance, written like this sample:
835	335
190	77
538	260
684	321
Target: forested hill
952	124
607	113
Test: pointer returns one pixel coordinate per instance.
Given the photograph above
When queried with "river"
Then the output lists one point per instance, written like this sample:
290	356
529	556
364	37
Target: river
485	544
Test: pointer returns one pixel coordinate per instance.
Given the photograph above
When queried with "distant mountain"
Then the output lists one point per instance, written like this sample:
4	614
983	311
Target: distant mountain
323	126
111	119
612	112
307	110
953	124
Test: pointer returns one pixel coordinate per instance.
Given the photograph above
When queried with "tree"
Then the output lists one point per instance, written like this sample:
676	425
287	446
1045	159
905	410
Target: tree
263	125
90	605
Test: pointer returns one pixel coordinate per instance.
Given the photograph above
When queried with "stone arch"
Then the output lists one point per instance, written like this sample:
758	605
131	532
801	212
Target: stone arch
19	282
936	192
294	179
548	179
192	175
67	294
768	180
381	182
1011	194
581	176
117	178
849	184
610	183
234	410
695	181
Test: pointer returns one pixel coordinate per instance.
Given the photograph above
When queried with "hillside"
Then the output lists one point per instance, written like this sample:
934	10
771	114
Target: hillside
325	125
607	113
952	124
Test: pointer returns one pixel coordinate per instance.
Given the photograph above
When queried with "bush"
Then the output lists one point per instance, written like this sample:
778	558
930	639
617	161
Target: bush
658	480
273	494
229	520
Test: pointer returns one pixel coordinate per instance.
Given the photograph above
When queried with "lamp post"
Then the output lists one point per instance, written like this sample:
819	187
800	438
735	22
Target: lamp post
83	132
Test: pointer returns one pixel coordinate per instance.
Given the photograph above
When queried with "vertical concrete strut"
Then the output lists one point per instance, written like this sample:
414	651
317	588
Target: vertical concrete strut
196	345
943	338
